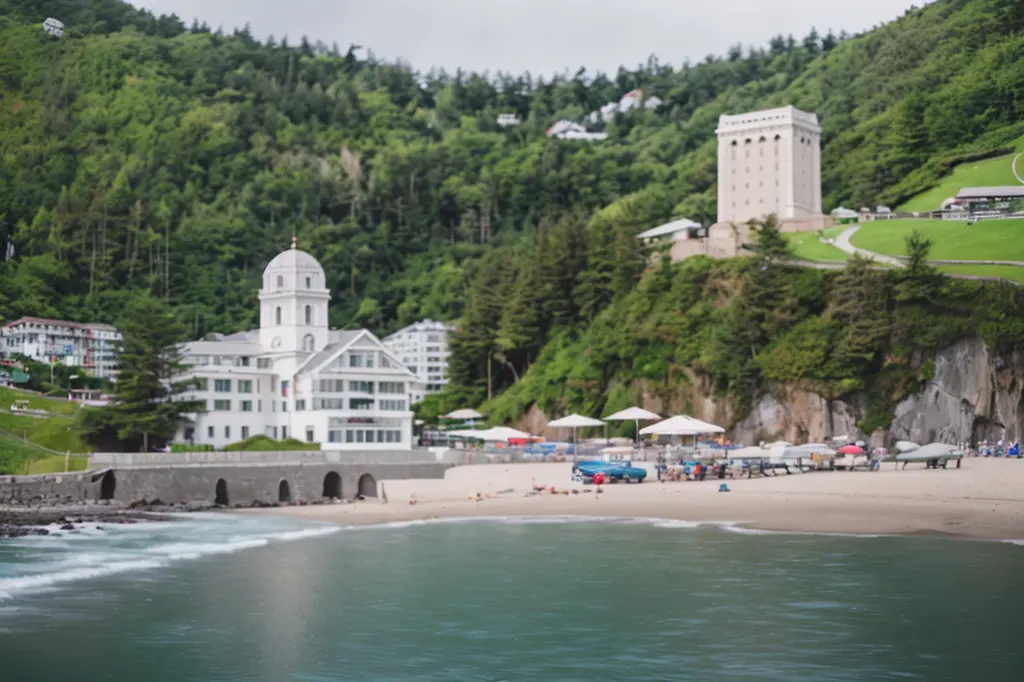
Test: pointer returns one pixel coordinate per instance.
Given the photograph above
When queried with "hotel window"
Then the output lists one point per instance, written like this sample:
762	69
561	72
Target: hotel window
329	404
242	362
355	360
277	316
227	432
284	433
369	359
209	432
309	313
300	405
221	405
259	405
245	432
360	403
264	363
309	429
245	385
245	406
284	389
360	386
222	385
284	406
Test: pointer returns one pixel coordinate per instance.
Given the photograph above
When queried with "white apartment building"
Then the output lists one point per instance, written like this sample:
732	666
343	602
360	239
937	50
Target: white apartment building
90	345
769	162
296	378
423	349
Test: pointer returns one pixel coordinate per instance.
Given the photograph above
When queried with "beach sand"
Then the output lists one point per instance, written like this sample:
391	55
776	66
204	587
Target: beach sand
984	499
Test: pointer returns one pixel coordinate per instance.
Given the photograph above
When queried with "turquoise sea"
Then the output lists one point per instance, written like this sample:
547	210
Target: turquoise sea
224	598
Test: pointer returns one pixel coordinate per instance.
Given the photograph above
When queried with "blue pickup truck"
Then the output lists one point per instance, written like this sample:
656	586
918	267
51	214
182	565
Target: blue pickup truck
615	470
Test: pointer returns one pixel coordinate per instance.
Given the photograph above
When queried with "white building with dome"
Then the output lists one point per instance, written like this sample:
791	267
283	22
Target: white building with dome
294	377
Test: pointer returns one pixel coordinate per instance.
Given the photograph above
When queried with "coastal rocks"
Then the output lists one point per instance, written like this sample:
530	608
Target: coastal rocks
27	522
974	395
797	416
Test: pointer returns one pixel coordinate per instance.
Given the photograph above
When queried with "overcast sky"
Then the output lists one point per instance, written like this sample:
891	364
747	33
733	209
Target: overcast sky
540	36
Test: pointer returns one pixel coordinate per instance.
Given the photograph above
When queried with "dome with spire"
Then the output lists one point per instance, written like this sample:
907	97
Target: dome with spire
293	269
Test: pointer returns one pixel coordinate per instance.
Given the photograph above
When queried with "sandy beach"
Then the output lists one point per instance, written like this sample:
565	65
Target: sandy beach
984	499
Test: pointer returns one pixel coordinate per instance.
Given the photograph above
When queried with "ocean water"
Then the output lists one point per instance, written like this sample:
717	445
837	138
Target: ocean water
225	598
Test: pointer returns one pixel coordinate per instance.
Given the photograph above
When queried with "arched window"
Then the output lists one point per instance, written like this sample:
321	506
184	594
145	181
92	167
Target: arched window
309	314
778	137
308	343
309	282
734	143
277	316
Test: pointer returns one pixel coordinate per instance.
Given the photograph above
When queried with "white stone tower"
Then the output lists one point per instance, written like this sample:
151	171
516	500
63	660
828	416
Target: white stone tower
769	162
293	304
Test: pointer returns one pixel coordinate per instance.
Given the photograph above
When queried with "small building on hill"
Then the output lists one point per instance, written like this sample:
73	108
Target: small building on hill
989	198
844	216
683	237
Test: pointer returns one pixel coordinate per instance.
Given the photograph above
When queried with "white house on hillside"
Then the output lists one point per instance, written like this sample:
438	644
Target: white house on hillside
294	377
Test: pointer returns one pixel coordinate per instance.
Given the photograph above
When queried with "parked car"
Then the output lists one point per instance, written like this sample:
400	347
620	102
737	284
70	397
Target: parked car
614	470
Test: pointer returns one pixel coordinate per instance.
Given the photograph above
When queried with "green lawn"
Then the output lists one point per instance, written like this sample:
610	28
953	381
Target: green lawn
987	173
1004	271
807	246
35	402
55	433
951	240
23	459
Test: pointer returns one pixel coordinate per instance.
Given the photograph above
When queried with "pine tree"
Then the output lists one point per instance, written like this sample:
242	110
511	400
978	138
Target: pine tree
148	405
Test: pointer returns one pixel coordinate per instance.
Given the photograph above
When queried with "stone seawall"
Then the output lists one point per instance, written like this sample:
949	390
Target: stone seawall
223	484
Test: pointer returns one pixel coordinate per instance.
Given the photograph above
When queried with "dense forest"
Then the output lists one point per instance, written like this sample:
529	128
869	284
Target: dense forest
140	155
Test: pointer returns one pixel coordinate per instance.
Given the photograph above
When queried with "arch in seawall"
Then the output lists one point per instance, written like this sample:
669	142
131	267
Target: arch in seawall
108	485
220	493
284	492
367	486
332	485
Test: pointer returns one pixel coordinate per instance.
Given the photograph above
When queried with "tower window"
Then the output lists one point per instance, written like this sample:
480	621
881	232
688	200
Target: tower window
734	143
309	314
280	281
277	316
308	343
309	282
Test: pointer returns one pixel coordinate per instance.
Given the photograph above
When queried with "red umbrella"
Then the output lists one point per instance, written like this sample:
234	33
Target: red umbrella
851	450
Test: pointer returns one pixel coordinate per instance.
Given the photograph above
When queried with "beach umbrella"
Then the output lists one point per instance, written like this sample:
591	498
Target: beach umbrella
463	415
681	425
575	421
633	414
492	435
906	445
851	450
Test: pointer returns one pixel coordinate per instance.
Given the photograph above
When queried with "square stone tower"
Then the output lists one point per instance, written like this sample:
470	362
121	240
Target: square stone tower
770	162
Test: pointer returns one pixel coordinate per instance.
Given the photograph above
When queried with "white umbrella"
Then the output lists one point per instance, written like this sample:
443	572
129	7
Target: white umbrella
492	435
632	414
906	445
463	415
575	421
681	425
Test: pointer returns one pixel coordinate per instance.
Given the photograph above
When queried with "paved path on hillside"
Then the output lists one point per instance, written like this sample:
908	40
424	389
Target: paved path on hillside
842	242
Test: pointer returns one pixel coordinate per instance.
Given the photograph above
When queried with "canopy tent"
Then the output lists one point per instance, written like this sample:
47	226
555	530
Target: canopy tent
633	414
575	421
491	435
681	425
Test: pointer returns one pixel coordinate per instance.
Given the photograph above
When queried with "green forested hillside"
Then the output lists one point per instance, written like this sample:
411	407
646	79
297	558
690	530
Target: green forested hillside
138	154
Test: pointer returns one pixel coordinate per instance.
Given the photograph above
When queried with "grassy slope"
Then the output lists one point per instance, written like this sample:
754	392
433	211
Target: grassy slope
36	402
54	433
951	240
21	458
807	245
1002	271
991	172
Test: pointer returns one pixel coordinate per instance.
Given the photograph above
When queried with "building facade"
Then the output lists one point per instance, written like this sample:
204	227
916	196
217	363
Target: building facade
294	377
769	162
90	345
423	349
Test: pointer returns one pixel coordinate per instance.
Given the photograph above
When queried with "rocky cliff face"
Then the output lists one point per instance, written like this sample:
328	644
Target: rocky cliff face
974	395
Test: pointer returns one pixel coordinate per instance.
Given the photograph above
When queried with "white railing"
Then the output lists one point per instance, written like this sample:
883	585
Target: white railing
259	458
